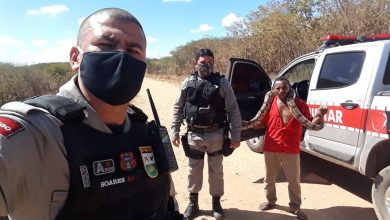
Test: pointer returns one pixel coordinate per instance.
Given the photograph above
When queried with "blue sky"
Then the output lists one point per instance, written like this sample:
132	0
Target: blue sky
44	30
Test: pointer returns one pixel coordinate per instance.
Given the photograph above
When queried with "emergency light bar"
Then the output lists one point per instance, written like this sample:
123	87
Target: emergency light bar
339	40
336	40
374	37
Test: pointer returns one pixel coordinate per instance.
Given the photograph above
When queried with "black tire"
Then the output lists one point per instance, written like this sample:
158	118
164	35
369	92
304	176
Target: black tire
255	144
381	194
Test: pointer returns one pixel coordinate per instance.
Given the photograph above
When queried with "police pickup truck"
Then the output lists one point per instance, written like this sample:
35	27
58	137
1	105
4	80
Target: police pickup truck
350	75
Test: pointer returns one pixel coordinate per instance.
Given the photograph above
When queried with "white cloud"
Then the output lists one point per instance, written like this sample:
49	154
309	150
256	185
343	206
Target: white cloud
177	0
51	10
39	42
202	28
231	19
151	39
57	51
156	54
8	41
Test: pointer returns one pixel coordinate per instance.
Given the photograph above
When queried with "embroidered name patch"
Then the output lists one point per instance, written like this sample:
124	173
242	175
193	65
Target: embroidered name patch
112	182
9	127
85	176
116	181
103	167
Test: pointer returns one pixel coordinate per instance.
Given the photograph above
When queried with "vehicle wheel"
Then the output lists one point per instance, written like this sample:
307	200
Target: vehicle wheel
256	144
381	194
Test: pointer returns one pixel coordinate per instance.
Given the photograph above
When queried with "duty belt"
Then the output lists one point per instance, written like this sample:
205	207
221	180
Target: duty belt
205	129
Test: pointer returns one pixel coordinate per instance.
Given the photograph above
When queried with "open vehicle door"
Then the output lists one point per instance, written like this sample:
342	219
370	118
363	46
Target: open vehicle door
250	83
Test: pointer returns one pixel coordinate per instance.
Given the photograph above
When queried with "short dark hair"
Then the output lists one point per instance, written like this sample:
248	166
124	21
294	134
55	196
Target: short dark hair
203	52
116	13
281	78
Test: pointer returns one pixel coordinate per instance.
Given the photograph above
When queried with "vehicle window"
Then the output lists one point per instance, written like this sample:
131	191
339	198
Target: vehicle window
340	69
301	71
386	77
299	76
246	78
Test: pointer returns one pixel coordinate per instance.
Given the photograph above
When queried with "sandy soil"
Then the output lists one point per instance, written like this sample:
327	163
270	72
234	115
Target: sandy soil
328	191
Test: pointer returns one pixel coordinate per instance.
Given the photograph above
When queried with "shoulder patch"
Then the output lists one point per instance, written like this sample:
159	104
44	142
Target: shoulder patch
9	127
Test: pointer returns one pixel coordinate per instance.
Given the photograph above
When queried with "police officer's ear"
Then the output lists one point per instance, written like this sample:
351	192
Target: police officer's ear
75	59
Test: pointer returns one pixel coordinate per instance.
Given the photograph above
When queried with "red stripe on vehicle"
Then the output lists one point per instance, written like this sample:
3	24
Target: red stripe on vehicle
338	115
358	118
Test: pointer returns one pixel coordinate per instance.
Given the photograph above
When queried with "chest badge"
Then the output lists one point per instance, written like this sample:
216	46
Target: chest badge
149	161
127	161
103	167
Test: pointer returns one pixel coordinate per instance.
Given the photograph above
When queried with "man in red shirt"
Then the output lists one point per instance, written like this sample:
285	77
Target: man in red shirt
281	146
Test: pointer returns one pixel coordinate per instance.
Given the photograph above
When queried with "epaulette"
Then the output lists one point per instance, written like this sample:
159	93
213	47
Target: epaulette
60	107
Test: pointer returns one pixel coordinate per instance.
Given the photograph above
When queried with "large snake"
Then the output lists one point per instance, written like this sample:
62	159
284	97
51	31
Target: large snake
293	108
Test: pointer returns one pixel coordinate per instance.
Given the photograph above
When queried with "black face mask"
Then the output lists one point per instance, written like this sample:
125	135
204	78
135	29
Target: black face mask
204	69
112	76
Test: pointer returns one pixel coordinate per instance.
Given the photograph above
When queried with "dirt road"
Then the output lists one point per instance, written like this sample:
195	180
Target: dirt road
328	191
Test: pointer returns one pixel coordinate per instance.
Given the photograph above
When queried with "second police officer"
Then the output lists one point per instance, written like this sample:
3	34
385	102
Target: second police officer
207	104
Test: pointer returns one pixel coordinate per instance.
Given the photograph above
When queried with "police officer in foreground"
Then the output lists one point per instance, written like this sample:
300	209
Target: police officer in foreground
206	103
86	153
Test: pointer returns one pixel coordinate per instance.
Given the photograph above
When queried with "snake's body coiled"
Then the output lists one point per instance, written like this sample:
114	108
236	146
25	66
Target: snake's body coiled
293	108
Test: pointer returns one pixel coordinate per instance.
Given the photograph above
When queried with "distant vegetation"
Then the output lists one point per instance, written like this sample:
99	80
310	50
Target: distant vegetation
273	35
276	33
20	82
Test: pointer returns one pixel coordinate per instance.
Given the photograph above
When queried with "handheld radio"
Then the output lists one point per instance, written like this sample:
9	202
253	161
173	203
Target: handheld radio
166	160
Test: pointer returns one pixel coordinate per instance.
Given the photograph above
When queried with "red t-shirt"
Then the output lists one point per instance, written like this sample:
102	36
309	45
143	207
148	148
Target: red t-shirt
280	138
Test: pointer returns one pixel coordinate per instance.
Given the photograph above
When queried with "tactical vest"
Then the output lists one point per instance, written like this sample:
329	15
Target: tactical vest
204	106
112	176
